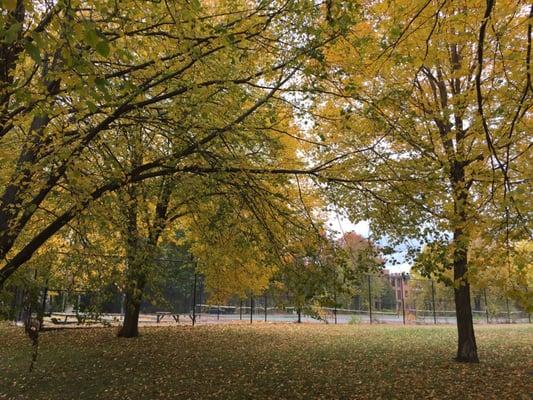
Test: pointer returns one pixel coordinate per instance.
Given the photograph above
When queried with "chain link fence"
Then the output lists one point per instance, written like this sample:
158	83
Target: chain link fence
378	298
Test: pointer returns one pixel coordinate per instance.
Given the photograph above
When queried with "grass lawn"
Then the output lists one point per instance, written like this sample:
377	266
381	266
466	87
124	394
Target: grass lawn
263	361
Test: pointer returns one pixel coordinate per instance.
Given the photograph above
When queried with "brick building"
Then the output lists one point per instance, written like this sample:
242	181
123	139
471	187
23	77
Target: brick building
399	282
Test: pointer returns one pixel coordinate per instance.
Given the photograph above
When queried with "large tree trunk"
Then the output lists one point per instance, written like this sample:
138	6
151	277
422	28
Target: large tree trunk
466	349
141	251
132	308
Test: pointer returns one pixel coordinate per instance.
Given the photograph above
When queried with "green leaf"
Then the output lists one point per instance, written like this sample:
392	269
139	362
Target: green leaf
11	34
33	51
92	107
38	39
102	48
96	40
195	4
10	5
101	84
91	37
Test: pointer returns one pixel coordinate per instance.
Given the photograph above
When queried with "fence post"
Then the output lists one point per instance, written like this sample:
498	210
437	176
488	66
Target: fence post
218	312
403	299
194	299
78	301
240	311
508	310
40	314
335	309
265	296
251	308
13	309
20	304
433	302
369	298
486	304
122	304
64	295
528	314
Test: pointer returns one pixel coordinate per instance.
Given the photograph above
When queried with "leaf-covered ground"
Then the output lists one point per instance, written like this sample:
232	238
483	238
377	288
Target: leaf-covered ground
263	361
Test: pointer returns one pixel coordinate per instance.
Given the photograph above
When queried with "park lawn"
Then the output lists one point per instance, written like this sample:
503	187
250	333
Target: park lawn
267	361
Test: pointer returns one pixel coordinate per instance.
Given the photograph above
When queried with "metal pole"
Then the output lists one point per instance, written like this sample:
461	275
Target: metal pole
200	300
22	309
486	304
43	306
218	312
433	300
265	307
64	302
251	308
335	309
29	303
240	311
78	300
369	298
194	299
13	310
528	314
122	306
508	311
403	300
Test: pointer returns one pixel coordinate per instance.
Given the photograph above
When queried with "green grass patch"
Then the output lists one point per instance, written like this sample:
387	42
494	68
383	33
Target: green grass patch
264	361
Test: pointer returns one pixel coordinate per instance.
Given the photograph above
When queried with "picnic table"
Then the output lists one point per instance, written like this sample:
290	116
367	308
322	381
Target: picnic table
80	317
162	314
66	315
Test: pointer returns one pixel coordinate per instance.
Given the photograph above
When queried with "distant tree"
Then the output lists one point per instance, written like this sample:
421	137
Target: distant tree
315	274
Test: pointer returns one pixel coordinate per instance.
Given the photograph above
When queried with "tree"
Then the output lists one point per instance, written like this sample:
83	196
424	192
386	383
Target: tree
241	239
432	140
430	289
493	268
234	219
364	261
76	74
320	271
504	271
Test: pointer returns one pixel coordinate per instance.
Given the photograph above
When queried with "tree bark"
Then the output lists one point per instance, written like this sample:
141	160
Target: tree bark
132	308
466	349
141	252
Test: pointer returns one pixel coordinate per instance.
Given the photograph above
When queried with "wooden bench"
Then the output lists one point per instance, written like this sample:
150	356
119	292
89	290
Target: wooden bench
161	314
